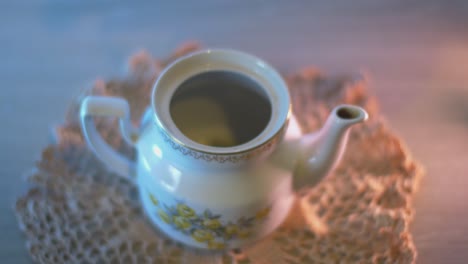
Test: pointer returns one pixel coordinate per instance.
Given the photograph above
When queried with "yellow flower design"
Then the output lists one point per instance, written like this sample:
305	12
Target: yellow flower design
262	213
201	235
154	200
164	216
181	222
231	229
244	233
185	211
211	223
215	245
206	227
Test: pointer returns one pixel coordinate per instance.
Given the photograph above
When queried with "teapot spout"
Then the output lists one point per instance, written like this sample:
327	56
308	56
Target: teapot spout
319	153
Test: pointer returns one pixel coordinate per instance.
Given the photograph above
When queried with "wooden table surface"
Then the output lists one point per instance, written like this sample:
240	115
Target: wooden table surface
415	52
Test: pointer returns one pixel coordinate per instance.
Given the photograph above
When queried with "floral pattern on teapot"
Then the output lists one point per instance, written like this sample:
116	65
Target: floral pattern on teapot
207	227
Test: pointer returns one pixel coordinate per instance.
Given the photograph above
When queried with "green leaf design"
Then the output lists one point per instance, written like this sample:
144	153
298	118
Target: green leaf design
207	213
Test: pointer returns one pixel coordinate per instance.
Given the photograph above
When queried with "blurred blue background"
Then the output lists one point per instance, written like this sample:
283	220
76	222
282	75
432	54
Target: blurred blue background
415	52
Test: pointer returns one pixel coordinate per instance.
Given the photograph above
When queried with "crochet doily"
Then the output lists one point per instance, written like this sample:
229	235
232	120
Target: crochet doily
78	211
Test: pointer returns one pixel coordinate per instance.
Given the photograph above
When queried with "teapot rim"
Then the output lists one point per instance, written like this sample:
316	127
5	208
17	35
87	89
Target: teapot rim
225	60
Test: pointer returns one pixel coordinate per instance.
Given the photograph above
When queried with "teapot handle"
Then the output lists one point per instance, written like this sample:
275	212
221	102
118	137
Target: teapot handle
114	107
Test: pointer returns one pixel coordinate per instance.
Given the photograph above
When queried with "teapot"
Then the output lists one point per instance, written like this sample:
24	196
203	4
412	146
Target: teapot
217	165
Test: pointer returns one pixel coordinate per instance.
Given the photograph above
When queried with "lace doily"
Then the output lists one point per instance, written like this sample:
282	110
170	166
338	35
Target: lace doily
77	211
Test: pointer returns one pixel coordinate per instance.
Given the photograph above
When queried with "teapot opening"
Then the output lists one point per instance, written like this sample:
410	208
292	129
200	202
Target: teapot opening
348	113
220	108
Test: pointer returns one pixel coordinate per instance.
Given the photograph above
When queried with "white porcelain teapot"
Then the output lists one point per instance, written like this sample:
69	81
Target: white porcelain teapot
216	164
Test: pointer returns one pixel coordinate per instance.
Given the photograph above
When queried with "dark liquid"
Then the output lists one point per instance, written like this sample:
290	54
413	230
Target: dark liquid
220	108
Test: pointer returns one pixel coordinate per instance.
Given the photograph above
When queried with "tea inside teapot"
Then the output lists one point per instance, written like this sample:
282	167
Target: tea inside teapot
220	108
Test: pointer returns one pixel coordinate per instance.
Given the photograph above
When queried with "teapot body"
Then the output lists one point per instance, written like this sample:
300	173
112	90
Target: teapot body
210	201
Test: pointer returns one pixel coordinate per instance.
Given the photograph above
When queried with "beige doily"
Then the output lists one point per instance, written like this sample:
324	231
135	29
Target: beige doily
79	212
